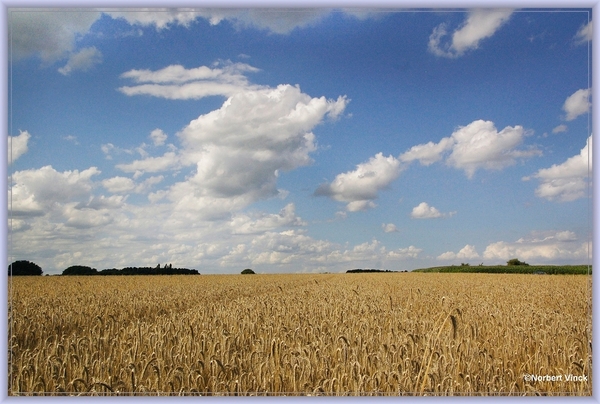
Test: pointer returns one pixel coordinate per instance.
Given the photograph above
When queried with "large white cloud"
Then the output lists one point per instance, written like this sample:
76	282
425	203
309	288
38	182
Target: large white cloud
17	146
577	104
539	248
38	191
479	24
478	145
567	181
360	187
240	149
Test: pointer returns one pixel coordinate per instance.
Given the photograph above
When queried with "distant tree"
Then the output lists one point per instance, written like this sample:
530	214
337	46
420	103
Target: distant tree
20	268
80	270
515	261
248	271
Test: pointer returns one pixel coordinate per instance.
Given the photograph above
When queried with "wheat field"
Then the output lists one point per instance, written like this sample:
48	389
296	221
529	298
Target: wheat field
323	334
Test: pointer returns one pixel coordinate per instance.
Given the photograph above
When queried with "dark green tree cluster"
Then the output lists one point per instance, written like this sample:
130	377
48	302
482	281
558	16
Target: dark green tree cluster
80	270
166	270
515	261
248	271
24	268
358	270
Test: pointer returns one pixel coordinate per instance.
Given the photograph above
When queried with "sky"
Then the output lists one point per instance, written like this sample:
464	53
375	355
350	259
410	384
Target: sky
299	140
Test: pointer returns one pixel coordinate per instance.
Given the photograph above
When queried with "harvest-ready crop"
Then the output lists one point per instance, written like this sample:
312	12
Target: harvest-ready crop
325	334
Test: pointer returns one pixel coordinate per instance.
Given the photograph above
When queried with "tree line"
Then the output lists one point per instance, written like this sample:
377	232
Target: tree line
27	268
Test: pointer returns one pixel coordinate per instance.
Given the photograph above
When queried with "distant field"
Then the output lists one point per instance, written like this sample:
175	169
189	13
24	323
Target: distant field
514	269
327	334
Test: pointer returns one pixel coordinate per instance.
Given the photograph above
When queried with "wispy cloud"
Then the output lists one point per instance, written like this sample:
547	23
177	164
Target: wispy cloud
479	24
83	60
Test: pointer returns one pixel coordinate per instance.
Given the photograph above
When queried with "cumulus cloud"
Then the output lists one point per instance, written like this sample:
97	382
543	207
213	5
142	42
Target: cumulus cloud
567	181
158	137
424	211
37	191
584	34
389	227
240	149
17	146
428	153
468	252
542	247
83	60
577	104
478	145
479	24
403	253
360	187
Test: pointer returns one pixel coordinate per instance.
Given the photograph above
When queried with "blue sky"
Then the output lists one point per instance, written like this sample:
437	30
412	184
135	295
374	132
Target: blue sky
315	140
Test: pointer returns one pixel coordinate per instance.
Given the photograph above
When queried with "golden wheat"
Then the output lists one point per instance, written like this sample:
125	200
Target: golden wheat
327	334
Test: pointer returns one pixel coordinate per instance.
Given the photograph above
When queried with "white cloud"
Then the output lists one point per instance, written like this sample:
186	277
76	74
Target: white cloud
160	18
584	34
428	153
176	82
424	211
17	146
158	137
577	104
567	181
360	187
478	145
404	253
479	24
468	252
561	246
560	129
389	227
239	150
38	191
83	60
244	224
168	161
50	34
